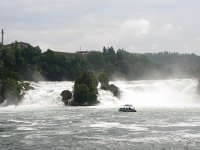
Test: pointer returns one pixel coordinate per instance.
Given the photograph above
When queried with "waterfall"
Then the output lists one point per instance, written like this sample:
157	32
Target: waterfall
145	93
160	93
45	94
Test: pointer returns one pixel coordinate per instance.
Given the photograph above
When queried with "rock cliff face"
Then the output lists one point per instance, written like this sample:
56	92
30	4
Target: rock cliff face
66	96
115	90
2	93
103	79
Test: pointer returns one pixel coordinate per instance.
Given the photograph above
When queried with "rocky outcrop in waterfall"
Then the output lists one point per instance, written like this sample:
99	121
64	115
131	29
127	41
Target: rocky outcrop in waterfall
115	90
103	79
84	92
66	96
2	93
85	89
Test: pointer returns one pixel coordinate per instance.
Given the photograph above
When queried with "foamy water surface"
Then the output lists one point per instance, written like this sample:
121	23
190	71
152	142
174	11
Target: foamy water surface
167	117
99	128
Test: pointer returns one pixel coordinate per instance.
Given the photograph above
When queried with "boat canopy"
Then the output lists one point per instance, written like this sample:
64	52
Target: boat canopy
127	106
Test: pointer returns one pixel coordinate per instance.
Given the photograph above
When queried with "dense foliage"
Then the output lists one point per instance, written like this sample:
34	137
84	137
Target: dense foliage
85	89
21	61
29	63
9	86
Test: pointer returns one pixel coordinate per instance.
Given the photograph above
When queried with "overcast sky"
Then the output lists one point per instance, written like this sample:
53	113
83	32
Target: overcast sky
136	25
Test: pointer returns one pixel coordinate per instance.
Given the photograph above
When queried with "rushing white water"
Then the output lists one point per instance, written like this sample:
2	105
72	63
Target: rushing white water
160	93
157	93
45	94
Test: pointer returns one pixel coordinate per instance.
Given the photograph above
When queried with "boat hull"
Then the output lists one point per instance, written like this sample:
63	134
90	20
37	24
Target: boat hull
127	110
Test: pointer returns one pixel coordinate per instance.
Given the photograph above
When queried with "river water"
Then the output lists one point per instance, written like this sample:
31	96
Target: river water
167	117
99	128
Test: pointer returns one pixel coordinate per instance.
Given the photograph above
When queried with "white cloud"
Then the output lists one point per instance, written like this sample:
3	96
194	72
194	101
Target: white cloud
154	46
64	25
135	28
168	27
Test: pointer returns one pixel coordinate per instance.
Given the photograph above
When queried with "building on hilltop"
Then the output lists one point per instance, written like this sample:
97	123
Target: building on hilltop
82	52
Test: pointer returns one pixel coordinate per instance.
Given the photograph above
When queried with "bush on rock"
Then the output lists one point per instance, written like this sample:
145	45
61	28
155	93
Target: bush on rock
85	90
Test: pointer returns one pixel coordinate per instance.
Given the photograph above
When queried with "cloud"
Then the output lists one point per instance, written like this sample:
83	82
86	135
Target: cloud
117	34
138	26
168	27
135	28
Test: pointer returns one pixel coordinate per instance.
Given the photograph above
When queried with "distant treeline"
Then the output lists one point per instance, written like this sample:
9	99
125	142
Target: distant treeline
180	65
21	61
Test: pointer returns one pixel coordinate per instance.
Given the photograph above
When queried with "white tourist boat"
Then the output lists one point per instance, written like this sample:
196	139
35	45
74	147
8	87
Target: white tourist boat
127	108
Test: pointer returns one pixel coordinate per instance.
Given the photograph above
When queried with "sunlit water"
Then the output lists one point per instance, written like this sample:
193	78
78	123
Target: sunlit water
167	117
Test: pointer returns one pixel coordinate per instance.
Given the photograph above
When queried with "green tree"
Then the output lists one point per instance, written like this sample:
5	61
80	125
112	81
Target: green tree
85	89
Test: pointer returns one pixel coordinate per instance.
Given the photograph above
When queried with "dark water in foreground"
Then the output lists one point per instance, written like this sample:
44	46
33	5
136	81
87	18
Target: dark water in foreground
86	128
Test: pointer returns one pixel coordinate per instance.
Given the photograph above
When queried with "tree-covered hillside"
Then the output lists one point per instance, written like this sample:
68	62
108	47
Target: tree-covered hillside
29	63
21	61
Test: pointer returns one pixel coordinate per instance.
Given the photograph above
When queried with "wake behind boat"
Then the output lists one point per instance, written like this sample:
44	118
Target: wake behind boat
127	108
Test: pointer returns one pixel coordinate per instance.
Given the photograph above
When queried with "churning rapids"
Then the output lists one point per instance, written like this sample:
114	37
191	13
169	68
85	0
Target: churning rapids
168	117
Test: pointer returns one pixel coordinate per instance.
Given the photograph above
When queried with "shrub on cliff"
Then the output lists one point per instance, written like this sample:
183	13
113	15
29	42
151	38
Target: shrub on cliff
85	89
